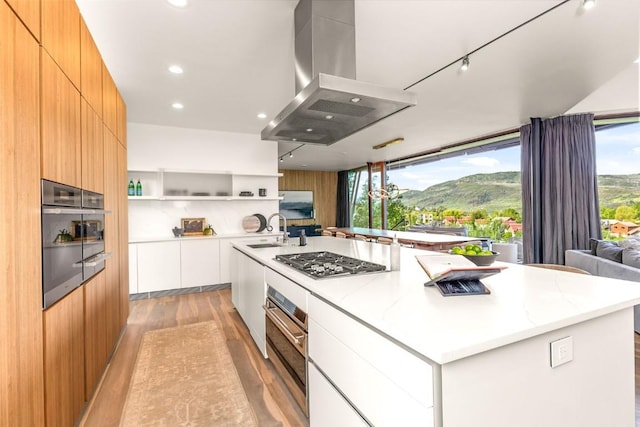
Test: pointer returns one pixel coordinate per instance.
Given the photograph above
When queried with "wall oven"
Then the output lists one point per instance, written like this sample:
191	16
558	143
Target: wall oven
72	239
286	333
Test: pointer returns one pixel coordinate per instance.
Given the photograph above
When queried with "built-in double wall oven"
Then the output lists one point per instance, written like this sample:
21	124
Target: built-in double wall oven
72	239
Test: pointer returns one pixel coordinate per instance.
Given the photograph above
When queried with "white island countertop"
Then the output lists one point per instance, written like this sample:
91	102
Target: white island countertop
524	301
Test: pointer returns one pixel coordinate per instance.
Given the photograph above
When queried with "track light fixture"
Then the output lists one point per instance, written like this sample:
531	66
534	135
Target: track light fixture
290	153
465	64
588	4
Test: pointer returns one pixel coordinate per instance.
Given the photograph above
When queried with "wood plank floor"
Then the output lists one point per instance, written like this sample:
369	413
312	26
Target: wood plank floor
267	395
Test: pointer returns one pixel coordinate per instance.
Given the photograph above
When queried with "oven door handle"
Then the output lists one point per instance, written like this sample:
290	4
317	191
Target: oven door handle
94	260
272	313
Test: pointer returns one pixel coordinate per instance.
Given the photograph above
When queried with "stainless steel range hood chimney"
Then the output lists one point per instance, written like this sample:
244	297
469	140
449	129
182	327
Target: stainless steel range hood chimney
330	104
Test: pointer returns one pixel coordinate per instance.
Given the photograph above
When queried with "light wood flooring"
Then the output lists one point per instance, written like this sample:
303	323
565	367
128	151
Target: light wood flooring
267	395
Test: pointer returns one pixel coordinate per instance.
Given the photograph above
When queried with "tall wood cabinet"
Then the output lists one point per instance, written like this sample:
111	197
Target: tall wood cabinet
52	127
21	345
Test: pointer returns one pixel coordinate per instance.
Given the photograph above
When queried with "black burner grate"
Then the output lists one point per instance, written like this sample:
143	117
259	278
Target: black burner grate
328	264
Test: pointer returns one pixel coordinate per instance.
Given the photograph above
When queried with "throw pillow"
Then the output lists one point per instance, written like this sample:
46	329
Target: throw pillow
631	243
593	245
631	257
609	250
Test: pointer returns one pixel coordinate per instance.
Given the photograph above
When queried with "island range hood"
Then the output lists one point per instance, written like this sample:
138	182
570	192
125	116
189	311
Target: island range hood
330	104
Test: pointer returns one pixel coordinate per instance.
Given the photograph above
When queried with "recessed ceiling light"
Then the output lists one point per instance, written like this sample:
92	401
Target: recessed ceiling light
177	106
309	130
294	139
262	116
178	3
328	117
355	100
176	69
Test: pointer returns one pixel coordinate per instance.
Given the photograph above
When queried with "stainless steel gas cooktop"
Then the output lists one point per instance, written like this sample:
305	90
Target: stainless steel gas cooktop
328	264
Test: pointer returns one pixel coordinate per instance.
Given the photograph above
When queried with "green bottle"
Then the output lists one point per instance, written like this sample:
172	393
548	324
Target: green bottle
138	189
132	189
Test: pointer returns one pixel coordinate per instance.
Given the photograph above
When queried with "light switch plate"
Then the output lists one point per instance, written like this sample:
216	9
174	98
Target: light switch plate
561	351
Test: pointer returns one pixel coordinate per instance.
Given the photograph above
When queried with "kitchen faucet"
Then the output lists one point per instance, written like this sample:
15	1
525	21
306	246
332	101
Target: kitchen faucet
285	234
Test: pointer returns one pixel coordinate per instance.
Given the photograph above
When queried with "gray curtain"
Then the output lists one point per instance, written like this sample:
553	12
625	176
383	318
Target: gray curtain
559	187
343	214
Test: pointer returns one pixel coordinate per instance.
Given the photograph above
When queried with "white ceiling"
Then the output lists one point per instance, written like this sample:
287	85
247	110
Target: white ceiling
238	61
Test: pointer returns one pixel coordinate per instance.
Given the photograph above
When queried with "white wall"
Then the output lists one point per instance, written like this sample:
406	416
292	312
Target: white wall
152	147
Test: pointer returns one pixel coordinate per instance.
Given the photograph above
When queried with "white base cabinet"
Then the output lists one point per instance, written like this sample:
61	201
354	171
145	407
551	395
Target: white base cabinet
385	383
248	293
199	262
133	268
327	407
158	266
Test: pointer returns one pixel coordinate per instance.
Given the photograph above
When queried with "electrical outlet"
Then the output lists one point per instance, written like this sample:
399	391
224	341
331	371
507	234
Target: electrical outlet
561	351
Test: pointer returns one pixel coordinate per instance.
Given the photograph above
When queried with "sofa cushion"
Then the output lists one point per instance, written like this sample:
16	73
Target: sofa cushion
631	243
609	250
631	257
593	245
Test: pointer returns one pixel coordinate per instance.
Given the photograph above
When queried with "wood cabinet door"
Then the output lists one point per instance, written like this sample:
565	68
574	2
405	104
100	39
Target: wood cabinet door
109	101
111	237
61	140
90	70
121	119
29	12
21	363
61	36
64	359
123	235
92	149
95	340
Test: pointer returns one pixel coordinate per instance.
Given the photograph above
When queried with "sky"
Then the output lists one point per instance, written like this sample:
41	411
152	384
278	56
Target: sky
617	151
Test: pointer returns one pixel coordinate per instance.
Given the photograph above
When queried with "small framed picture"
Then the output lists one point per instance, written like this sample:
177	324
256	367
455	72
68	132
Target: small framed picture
192	226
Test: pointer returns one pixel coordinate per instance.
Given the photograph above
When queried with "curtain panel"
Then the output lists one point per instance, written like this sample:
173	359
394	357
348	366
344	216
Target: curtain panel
559	187
343	212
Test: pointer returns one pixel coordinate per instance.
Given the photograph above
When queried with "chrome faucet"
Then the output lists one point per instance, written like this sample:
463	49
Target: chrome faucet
285	234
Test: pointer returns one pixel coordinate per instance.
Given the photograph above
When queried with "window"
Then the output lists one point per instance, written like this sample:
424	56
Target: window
618	166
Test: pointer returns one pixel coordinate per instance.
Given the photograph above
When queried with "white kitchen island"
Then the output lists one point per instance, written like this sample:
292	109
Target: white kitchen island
385	349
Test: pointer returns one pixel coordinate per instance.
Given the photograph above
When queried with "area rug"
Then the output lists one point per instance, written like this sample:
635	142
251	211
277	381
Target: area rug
184	376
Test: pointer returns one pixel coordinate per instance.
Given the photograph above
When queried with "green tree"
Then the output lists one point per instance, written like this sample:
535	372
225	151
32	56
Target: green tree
625	213
479	214
512	213
457	213
607	213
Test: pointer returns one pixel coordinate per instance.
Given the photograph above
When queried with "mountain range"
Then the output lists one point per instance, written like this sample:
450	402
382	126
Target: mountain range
501	190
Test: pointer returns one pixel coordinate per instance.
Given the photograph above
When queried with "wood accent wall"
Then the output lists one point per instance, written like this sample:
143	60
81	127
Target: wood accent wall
325	190
21	336
61	35
29	12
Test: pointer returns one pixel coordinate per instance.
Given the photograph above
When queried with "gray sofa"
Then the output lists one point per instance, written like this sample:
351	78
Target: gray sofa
599	266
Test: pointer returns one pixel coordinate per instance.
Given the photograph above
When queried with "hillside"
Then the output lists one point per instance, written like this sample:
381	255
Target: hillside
499	191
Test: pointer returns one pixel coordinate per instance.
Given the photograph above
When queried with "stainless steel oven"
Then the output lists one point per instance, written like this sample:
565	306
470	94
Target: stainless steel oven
286	333
72	239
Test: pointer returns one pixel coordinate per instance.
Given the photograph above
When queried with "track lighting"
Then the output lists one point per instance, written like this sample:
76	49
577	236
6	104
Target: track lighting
290	153
588	4
465	64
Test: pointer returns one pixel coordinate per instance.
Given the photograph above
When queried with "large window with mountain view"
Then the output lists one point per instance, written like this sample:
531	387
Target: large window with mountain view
482	191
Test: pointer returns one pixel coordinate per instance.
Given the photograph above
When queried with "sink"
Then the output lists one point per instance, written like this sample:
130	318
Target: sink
265	245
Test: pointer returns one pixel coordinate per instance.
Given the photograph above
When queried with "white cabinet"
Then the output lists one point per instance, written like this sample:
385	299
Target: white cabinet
203	185
158	266
133	268
248	285
385	383
327	407
200	262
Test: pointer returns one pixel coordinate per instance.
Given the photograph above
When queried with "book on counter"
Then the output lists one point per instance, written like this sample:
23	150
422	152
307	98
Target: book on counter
455	274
